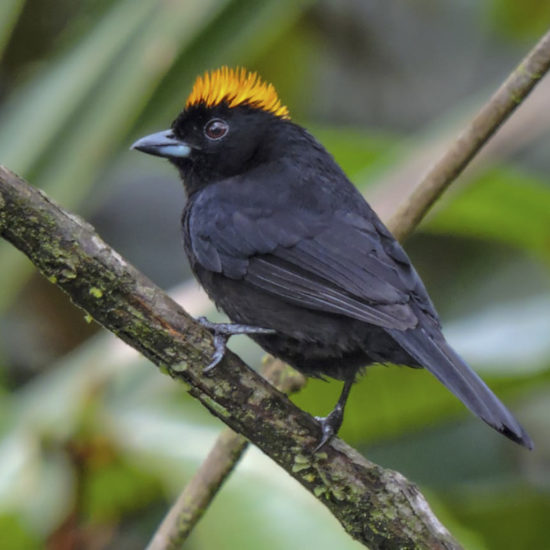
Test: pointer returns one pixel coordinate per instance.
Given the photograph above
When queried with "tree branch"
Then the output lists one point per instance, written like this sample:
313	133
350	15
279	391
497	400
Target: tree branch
378	507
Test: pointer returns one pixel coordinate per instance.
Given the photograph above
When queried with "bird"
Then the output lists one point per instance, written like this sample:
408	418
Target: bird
289	249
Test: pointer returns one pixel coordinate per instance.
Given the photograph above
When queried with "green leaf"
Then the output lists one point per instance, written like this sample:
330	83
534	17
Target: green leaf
356	151
9	13
504	205
510	516
15	536
116	488
36	114
521	20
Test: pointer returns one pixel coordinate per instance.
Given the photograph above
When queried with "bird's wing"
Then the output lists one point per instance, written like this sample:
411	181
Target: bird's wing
335	271
334	261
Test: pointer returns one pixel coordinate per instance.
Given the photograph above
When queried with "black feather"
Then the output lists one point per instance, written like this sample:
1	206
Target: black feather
280	239
436	356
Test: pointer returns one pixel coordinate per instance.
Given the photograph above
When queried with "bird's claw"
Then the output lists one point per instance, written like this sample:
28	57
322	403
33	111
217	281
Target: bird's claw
220	347
221	333
329	426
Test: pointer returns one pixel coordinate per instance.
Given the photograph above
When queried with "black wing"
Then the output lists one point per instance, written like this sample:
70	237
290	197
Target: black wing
307	253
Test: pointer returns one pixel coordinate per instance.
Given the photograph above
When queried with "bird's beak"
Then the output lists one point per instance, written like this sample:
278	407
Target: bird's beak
163	144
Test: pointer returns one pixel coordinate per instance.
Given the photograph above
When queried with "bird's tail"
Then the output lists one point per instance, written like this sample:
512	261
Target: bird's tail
437	356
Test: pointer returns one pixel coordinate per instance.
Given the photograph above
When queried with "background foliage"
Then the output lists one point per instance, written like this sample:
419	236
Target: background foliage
94	444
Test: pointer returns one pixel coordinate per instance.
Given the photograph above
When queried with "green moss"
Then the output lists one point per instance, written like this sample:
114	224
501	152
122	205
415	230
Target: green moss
299	466
182	366
319	490
163	369
68	274
516	98
222	388
214	406
96	292
338	493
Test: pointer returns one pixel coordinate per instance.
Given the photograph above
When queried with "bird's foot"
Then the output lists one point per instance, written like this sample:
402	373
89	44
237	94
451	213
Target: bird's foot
329	425
221	333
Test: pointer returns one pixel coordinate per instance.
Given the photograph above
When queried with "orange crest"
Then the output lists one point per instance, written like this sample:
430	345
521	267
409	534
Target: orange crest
236	87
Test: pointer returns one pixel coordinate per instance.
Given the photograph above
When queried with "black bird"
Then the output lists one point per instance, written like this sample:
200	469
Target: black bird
288	248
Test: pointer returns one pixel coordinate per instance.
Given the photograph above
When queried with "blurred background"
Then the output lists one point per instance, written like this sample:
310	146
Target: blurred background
94	442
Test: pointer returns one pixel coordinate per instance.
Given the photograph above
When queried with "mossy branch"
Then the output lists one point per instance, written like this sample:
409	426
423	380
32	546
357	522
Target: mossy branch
378	507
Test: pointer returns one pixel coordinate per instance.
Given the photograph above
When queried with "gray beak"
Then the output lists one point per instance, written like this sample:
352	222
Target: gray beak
163	144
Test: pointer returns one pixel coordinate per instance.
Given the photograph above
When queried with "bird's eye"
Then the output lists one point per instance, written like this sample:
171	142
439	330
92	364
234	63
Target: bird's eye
216	128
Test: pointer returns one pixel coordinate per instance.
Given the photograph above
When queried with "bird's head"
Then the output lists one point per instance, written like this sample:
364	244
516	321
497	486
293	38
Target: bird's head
229	124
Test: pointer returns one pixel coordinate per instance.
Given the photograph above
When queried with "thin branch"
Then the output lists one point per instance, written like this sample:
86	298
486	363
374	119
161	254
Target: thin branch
378	507
197	495
487	121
